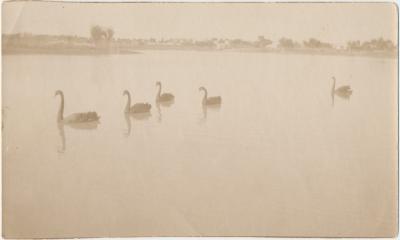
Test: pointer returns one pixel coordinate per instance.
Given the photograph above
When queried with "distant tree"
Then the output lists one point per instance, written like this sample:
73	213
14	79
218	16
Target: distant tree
262	42
205	44
239	43
378	44
110	34
187	42
70	39
314	43
287	43
354	45
99	34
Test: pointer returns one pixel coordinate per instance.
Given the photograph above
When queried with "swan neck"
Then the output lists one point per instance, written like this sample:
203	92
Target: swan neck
205	96
128	103
159	91
60	115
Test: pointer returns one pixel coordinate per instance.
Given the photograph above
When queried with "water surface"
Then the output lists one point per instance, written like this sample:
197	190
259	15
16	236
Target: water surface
276	158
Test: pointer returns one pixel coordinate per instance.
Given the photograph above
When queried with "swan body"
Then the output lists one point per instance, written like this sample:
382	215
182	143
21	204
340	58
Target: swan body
210	100
137	107
82	117
165	97
342	91
85	117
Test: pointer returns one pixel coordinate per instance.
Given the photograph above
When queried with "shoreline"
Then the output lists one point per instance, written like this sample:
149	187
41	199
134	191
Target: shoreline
122	51
66	51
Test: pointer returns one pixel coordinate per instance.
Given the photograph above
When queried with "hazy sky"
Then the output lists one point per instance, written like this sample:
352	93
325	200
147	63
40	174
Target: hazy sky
332	22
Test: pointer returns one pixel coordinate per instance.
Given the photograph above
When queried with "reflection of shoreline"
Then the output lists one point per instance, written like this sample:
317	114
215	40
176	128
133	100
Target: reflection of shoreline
64	51
324	52
126	51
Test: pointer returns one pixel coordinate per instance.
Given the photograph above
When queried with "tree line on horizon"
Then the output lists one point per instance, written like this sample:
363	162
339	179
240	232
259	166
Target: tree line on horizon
103	37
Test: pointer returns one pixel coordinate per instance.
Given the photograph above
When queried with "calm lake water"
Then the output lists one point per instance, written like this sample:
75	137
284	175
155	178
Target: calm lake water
275	159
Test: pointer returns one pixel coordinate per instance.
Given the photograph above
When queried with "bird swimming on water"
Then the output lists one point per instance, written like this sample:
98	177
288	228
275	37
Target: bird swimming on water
85	117
165	97
209	100
342	91
137	107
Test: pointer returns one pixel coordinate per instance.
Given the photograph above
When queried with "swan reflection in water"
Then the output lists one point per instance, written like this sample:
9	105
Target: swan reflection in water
211	108
160	105
79	121
75	126
341	91
134	116
128	124
62	136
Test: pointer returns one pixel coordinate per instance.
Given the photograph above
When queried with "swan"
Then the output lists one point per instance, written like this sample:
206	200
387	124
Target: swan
85	117
165	97
342	91
137	107
209	100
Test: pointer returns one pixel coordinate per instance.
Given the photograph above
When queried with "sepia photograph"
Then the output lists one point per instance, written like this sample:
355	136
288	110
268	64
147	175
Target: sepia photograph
207	119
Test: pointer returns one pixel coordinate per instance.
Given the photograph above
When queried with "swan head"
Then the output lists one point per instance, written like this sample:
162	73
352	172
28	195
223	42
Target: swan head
58	92
126	92
202	89
158	83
